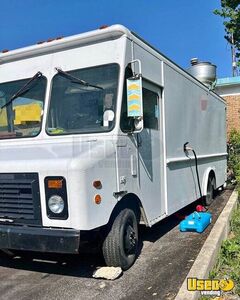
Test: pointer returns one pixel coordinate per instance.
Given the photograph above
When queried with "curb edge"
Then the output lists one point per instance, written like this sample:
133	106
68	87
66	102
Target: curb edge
210	249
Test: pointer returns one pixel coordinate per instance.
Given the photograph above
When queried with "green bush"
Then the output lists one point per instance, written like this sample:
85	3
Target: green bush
234	155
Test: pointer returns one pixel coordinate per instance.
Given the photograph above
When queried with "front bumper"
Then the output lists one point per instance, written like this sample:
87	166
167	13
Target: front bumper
39	239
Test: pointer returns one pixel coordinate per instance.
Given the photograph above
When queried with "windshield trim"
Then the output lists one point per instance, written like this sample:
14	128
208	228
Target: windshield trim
88	132
44	106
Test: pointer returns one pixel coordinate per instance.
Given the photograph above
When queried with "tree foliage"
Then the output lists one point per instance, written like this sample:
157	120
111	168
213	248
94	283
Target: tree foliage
234	156
230	11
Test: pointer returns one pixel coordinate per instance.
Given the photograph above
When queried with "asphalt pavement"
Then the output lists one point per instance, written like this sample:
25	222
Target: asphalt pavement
165	259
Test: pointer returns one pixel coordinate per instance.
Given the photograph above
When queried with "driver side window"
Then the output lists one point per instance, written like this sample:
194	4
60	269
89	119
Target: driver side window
150	108
125	122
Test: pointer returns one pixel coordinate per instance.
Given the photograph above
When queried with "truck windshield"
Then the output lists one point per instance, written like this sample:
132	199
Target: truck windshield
78	108
21	116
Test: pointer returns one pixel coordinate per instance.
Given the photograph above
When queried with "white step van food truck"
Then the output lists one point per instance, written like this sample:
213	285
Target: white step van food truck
96	136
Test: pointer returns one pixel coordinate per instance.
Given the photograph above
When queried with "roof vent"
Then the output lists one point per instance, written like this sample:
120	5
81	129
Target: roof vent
203	71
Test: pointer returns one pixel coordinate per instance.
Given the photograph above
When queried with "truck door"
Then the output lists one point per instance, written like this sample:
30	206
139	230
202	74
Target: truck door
150	153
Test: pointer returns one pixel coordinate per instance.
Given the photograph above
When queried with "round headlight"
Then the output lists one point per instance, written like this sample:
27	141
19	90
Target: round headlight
56	204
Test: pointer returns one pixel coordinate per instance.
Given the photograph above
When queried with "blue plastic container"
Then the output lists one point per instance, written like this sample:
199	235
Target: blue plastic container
197	221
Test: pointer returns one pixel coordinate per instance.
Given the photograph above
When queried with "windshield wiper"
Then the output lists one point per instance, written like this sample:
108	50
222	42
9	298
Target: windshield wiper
22	90
77	80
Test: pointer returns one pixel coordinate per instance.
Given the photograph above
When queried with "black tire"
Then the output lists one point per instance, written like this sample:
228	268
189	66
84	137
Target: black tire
121	244
208	199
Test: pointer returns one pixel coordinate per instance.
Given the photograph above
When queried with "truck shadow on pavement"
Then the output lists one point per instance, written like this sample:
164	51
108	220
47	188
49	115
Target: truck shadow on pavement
84	264
163	227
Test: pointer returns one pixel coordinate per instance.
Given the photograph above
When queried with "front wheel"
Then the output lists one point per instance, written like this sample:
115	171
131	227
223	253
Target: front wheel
121	244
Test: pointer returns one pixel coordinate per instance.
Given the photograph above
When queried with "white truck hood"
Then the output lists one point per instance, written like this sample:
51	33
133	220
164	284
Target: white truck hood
54	156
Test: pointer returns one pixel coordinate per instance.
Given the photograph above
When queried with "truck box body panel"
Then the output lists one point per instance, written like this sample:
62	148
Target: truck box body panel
192	115
151	64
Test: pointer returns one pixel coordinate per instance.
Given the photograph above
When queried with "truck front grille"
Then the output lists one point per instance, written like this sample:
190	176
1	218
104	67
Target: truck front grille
20	198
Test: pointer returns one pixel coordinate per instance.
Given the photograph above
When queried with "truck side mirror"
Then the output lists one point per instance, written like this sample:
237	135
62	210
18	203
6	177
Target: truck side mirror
138	124
134	102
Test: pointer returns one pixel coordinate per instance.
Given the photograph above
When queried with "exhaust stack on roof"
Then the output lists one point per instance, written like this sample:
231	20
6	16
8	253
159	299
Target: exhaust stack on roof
203	71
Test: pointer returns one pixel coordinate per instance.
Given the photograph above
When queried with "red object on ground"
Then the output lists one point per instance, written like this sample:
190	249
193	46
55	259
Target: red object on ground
179	216
200	208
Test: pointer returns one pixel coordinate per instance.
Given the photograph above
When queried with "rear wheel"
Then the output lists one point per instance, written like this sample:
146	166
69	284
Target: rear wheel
210	192
121	244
